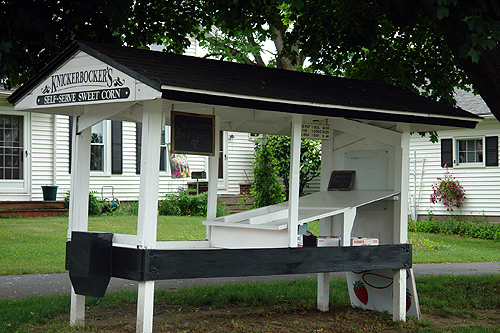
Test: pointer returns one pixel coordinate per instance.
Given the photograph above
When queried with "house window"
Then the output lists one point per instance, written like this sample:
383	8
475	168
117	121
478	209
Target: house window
470	151
106	146
97	147
164	162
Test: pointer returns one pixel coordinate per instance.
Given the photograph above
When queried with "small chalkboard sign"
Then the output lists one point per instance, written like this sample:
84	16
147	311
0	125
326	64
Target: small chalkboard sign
341	180
193	134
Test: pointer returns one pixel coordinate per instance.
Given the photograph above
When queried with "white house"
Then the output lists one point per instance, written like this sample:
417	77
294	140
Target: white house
35	151
472	158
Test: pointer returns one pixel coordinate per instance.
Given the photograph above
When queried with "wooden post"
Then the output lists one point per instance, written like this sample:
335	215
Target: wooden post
293	195
213	179
325	224
79	201
148	204
401	183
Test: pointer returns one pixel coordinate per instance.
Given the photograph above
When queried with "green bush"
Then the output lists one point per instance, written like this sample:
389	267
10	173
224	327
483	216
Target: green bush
266	189
184	203
458	225
95	204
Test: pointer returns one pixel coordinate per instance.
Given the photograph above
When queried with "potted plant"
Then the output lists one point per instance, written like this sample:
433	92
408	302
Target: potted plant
448	191
49	192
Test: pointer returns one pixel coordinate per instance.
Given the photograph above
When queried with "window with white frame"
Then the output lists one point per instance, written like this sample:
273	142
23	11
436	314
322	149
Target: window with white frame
106	146
470	151
164	162
97	147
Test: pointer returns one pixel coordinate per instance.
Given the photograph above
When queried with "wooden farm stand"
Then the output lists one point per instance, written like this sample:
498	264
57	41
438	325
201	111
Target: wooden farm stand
369	123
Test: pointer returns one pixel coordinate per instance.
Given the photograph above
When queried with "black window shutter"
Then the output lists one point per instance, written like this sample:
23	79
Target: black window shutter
447	153
138	144
491	151
116	147
70	140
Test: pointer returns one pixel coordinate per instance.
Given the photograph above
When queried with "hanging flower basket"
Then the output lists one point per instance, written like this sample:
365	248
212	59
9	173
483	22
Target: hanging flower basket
448	191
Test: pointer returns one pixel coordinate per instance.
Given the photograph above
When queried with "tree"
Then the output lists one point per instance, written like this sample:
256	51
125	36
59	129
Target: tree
272	163
310	160
428	46
34	32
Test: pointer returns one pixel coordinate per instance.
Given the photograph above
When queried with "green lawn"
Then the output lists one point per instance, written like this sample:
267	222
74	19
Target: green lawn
37	245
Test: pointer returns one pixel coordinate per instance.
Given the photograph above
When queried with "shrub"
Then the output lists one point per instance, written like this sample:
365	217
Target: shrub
184	203
169	205
266	189
128	208
95	204
458	225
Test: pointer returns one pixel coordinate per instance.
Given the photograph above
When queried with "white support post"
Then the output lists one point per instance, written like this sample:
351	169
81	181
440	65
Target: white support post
145	305
401	183
323	300
213	179
79	202
77	310
148	204
349	216
293	195
325	224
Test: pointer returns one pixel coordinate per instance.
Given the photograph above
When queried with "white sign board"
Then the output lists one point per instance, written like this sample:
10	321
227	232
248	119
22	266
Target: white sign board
84	80
316	131
84	85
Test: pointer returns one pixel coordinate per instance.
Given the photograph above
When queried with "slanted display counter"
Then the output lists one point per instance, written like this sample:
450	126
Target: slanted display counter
266	227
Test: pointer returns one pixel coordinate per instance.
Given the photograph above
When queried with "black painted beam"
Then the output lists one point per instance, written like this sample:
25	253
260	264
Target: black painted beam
146	265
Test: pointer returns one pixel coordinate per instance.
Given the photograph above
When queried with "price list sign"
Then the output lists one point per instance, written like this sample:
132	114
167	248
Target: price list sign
315	131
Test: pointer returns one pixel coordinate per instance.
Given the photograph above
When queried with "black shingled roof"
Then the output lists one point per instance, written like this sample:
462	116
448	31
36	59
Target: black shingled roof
195	79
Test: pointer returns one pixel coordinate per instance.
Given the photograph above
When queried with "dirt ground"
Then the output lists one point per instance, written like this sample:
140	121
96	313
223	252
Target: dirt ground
273	318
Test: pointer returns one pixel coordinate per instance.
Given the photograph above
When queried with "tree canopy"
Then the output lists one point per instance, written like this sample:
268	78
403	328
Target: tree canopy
428	46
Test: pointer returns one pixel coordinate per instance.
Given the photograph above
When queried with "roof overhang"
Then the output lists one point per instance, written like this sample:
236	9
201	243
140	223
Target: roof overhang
247	98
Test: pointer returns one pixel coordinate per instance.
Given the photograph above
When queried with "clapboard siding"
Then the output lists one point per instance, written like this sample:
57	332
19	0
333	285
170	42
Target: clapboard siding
125	186
481	184
42	153
240	157
62	153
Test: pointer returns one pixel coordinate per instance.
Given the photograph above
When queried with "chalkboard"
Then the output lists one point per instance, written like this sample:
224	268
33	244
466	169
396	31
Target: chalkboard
193	134
341	180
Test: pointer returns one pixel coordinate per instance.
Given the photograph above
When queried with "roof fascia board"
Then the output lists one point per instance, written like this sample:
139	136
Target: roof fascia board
311	108
318	105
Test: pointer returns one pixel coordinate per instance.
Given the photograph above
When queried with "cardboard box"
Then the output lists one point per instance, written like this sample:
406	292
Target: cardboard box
300	241
361	241
328	241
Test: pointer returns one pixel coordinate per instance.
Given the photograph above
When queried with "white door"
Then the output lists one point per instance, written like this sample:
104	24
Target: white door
13	153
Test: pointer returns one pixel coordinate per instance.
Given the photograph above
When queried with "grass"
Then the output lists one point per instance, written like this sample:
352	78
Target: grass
451	248
443	296
37	245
